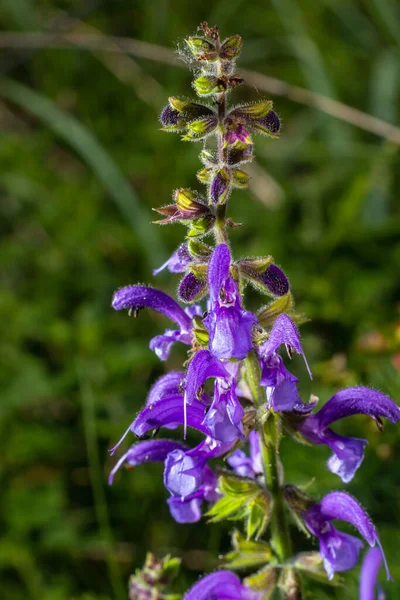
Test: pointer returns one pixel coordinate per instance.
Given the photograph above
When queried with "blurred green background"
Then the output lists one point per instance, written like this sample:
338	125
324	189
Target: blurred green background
82	161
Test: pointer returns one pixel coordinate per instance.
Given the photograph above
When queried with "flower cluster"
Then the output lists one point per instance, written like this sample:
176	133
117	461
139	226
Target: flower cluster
235	388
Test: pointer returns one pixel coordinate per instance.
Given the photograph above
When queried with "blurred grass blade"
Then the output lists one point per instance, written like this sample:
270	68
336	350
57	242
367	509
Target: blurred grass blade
223	10
384	86
388	14
90	150
311	63
97	480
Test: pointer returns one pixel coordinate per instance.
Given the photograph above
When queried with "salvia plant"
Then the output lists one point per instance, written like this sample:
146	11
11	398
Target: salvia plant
252	399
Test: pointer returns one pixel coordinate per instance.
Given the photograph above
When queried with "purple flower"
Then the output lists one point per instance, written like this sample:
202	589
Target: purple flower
229	325
223	419
237	133
222	585
247	466
369	575
166	385
186	475
184	469
177	262
136	297
348	453
339	550
281	385
271	122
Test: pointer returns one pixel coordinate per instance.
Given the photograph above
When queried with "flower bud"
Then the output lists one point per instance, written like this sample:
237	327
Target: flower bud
191	288
220	188
269	125
208	158
199	227
275	280
202	49
199	250
207	85
231	48
268	314
263	581
171	119
237	134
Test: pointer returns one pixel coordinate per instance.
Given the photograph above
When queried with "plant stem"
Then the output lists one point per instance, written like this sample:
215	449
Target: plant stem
269	435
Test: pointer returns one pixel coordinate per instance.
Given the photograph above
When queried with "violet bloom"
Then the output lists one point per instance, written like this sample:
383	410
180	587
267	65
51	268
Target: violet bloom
281	385
186	475
177	262
247	466
348	453
339	550
222	585
229	325
369	575
224	417
136	297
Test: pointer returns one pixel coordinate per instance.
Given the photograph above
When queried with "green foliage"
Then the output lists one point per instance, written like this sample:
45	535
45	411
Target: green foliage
322	201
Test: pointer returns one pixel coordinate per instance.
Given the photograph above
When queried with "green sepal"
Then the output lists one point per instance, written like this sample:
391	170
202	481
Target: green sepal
199	270
227	508
170	568
312	565
231	47
259	514
282	305
290	584
200	227
209	159
202	49
200	128
237	492
199	250
205	175
200	333
179	104
178	127
252	265
246	553
263	581
206	85
240	179
188	202
255	110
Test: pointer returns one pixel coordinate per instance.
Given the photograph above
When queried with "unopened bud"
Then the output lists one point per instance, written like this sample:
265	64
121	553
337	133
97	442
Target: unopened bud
202	49
187	203
231	48
220	188
269	125
275	280
237	156
170	119
191	288
199	227
207	85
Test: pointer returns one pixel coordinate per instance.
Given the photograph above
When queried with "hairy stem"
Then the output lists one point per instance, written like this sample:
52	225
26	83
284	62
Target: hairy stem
269	444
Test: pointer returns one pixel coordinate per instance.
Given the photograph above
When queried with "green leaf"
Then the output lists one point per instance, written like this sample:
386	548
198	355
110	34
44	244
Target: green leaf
239	487
263	581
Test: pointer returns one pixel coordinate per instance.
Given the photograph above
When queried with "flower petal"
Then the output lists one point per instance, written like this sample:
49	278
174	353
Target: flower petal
369	574
222	585
218	270
147	451
139	296
356	401
166	385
